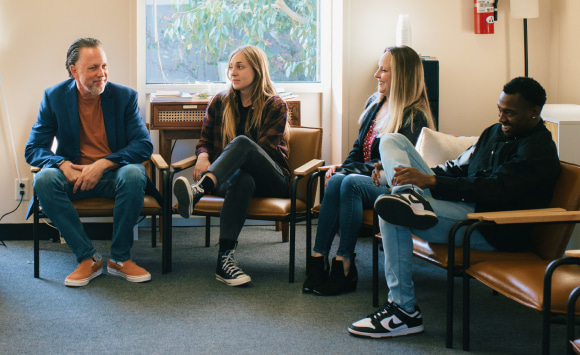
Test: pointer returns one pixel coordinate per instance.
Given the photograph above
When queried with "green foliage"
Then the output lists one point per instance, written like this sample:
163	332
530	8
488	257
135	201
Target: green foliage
211	29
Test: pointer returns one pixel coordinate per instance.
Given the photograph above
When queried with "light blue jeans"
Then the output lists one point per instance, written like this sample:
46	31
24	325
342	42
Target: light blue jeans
342	207
397	151
125	184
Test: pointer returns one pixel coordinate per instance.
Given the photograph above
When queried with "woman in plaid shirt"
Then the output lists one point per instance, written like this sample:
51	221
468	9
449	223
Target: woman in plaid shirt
242	153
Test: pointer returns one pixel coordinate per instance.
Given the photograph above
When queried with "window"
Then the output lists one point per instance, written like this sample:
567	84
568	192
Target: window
188	41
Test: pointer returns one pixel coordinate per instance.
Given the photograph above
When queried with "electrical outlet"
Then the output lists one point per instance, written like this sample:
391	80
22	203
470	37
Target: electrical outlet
22	186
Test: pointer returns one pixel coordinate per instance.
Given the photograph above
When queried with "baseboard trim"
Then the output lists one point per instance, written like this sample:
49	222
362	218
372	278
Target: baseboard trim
23	231
104	230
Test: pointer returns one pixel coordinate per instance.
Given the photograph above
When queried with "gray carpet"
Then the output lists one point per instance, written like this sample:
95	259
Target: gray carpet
188	311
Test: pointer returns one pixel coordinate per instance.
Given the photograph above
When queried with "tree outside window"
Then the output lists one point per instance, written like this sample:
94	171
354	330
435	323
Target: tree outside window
188	41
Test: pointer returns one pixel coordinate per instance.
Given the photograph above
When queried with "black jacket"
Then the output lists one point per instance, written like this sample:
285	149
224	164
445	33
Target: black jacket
501	174
354	162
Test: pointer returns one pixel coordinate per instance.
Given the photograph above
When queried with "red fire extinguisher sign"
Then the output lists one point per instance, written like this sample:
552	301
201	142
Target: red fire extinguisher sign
483	16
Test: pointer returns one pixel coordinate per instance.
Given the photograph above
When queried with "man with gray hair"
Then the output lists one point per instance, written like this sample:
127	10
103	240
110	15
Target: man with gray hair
102	143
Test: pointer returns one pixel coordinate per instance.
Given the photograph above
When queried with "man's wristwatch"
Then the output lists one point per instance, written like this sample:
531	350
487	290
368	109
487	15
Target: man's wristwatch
60	163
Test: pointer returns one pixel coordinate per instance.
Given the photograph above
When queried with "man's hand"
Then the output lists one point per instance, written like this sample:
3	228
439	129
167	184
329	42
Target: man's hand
412	176
90	175
377	173
70	174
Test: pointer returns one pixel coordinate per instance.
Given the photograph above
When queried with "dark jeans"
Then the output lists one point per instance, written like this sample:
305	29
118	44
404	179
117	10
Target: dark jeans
244	170
126	185
342	207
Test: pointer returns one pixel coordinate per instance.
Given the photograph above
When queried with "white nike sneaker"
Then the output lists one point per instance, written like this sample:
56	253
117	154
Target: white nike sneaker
389	321
406	208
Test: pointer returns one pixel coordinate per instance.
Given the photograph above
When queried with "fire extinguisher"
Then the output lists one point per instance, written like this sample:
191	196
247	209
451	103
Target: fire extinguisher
484	16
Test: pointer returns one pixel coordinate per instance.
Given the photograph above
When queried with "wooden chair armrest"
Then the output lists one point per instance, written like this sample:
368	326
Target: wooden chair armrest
308	168
481	215
185	163
573	253
159	162
34	169
324	168
528	216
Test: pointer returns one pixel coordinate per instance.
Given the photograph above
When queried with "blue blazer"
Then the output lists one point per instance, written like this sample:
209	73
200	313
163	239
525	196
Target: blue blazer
58	117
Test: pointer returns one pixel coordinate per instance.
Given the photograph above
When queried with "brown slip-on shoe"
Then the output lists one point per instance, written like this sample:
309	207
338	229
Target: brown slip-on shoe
85	272
128	270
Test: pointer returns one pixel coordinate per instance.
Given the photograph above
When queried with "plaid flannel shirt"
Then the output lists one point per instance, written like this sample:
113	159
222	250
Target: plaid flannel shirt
270	138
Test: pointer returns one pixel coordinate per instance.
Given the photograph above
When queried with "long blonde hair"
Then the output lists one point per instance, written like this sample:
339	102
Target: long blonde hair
263	89
408	92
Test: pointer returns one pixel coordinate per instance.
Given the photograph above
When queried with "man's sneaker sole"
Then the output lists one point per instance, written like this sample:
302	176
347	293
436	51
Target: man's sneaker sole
182	191
142	278
234	282
390	334
83	282
397	210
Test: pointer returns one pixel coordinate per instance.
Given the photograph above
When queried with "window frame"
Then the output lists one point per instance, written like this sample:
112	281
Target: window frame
305	87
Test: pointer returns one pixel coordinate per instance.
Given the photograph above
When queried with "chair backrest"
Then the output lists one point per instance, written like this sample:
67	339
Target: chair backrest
305	144
550	241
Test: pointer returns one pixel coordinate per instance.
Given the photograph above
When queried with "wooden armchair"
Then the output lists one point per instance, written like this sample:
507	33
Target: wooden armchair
305	150
530	278
447	256
103	207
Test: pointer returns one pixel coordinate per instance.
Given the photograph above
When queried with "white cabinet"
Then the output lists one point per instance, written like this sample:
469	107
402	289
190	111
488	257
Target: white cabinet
563	120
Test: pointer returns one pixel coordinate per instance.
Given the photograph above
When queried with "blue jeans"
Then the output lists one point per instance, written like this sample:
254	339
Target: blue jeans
125	184
342	207
397	151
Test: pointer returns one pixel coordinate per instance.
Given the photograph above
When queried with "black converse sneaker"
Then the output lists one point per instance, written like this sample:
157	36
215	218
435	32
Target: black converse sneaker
187	195
388	321
228	272
406	208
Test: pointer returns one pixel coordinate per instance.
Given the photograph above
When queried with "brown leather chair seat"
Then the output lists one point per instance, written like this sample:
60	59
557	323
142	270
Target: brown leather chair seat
437	254
518	280
260	207
103	207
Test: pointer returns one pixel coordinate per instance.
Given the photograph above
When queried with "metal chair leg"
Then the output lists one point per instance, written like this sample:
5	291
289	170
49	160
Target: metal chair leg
207	230
375	272
570	321
35	236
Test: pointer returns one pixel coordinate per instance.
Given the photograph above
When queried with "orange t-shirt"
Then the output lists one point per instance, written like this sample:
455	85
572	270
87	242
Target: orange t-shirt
93	137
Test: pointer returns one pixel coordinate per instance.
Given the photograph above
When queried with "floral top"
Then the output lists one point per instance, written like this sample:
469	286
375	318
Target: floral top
368	142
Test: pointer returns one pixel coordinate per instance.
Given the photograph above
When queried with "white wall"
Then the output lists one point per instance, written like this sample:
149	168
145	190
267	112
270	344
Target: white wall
473	68
35	34
34	38
564	49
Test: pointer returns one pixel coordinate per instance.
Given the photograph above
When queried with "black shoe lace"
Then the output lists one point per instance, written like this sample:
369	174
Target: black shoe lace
378	315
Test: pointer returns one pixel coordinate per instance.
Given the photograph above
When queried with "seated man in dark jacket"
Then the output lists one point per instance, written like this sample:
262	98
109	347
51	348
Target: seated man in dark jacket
514	165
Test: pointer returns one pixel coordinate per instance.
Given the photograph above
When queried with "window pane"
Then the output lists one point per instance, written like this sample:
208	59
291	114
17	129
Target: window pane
189	41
